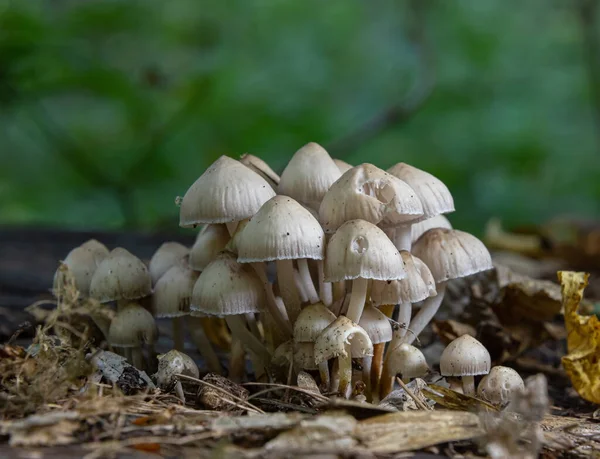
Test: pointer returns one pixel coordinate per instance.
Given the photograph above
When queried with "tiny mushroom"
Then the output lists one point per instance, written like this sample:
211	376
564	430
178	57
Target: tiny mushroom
378	327
500	385
165	256
172	364
82	263
465	357
407	361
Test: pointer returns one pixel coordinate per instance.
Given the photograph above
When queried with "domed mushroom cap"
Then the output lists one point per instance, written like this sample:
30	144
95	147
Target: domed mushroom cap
421	227
209	242
311	321
451	254
228	191
97	247
284	354
82	263
173	291
227	287
499	386
368	193
304	356
376	324
408	361
261	168
416	286
465	356
174	363
332	341
132	327
343	166
432	192
308	175
165	257
282	229
361	249
120	276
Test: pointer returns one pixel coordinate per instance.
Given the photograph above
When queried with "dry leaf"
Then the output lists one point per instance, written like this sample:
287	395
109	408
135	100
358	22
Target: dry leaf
449	330
50	429
582	363
454	400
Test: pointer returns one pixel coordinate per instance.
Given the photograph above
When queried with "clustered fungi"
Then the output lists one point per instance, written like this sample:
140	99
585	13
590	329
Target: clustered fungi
306	269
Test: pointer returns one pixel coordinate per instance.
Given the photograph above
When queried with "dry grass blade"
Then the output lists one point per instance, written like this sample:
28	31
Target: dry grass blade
418	402
275	386
456	401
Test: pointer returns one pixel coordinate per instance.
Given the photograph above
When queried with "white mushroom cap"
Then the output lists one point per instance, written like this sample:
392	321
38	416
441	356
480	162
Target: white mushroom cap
166	256
227	287
418	228
282	229
308	175
432	192
82	263
416	286
371	194
228	191
343	166
311	321
451	254
332	341
261	168
304	356
96	246
132	327
361	249
120	276
209	242
173	363
408	361
173	291
376	324
465	356
499	386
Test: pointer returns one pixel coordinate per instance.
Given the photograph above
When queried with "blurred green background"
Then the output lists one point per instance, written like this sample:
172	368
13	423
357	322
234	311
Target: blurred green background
110	109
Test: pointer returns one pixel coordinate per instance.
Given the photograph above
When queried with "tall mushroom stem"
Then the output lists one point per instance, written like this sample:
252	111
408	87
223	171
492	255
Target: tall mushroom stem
178	333
325	290
403	237
237	361
339	291
253	325
424	316
287	287
367	363
307	281
275	308
204	346
324	373
376	368
468	384
404	314
300	287
237	324
358	298
345	372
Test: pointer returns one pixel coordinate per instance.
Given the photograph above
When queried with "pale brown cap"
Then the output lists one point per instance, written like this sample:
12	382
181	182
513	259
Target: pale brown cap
228	191
416	286
167	255
227	287
451	254
173	291
304	356
376	324
343	166
308	175
82	263
96	246
120	276
209	242
132	327
282	229
261	168
174	363
361	249
311	321
332	341
465	356
432	192
421	227
499	386
371	194
408	361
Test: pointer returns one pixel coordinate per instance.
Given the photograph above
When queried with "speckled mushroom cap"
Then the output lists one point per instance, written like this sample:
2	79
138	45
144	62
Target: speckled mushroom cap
451	254
227	287
209	242
174	363
432	192
499	386
418	228
408	361
416	286
82	263
304	356
281	230
167	255
376	324
261	168
332	341
343	166
465	356
311	321
308	175
173	291
228	191
120	276
132	327
361	249
371	194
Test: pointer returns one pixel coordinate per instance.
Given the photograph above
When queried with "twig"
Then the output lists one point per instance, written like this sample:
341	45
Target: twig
276	386
419	403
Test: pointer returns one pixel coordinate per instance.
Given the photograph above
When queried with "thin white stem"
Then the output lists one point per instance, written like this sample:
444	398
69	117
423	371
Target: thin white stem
404	313
345	373
178	333
325	289
300	287
253	325
237	325
179	391
468	384
367	363
204	346
358	298
324	372
274	307
287	287
423	317
403	237
309	286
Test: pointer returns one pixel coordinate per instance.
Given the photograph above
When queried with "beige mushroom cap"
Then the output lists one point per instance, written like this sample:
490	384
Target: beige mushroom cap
132	327
261	168
228	191
416	286
311	321
304	356
376	324
283	354
439	221
82	263
361	249
308	175
432	192
465	356
451	254
282	229
164	258
499	386
408	361
371	194
209	242
173	291
227	287
174	363
343	166
120	276
96	246
332	341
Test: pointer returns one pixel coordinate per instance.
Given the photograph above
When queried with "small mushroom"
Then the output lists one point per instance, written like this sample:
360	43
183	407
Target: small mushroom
378	327
170	365
164	258
82	263
500	385
465	357
407	361
209	242
421	227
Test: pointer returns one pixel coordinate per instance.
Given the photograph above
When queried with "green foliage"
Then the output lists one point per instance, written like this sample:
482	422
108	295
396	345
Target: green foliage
110	109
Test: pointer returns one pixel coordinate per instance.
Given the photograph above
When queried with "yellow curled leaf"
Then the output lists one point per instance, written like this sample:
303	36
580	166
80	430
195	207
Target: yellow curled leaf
582	363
